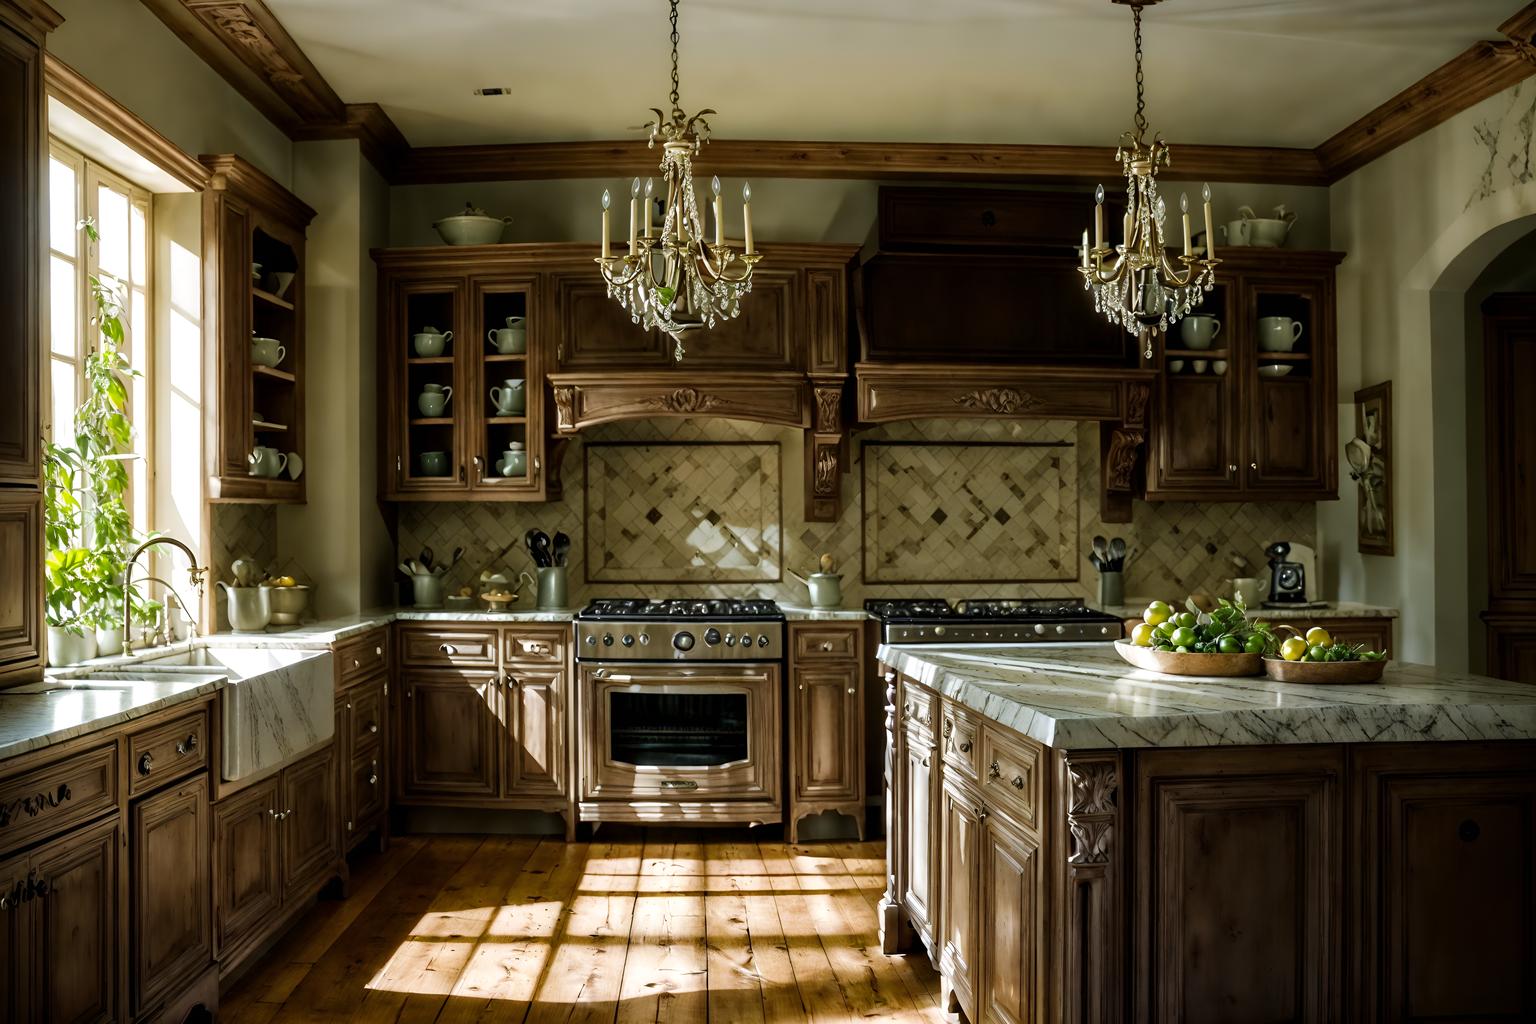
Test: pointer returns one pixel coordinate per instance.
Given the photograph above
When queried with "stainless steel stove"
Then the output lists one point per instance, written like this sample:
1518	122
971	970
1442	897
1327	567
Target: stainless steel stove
680	629
991	620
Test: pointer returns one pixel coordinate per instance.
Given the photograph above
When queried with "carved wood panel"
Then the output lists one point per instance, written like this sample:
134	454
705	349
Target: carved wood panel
923	392
251	32
587	400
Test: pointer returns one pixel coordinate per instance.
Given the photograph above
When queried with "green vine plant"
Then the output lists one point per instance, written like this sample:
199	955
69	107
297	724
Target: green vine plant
87	523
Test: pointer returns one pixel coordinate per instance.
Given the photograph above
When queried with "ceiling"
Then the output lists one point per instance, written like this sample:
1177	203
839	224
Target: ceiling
1236	72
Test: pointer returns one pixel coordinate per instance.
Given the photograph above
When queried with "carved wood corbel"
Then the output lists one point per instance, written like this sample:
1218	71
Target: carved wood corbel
1095	850
826	447
1120	450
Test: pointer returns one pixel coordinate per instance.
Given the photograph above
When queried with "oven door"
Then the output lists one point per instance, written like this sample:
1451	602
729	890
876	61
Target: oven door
669	733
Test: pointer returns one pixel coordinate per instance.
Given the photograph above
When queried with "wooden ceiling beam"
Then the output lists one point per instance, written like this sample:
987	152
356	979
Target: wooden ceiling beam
990	163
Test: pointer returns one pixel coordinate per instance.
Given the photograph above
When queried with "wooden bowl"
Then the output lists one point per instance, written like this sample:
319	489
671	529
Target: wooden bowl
1324	672
1175	664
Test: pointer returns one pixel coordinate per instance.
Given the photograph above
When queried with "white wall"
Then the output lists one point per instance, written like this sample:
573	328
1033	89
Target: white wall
338	537
122	47
1419	225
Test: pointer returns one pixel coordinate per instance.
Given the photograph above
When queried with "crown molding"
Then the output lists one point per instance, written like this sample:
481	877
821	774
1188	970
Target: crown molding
82	96
32	18
992	163
245	43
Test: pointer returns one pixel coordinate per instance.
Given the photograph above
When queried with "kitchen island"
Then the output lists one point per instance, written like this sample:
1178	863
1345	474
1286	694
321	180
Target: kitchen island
1073	838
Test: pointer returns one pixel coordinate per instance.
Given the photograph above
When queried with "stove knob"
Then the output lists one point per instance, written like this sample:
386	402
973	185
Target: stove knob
762	640
627	640
730	639
682	640
1103	631
591	639
938	630
711	636
645	638
1040	629
1061	630
607	639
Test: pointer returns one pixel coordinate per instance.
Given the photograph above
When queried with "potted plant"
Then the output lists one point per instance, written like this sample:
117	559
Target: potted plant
88	526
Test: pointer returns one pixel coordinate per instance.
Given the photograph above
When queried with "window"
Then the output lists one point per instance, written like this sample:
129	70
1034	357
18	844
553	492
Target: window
80	190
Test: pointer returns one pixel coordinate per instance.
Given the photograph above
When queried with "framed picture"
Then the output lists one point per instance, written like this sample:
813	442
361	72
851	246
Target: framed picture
1369	454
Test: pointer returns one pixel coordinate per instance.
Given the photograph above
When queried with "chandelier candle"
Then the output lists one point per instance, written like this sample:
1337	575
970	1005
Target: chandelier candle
607	254
719	212
634	205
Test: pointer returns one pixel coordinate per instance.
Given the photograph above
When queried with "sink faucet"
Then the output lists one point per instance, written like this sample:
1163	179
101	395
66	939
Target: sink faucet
195	573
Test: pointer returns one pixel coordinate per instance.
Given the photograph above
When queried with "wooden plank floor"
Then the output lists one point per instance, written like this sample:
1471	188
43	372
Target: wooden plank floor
639	926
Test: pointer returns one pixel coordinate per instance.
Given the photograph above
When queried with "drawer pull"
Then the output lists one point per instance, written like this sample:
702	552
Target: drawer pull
826	645
1018	782
994	770
378	652
373	775
146	762
448	649
965	747
679	784
373	726
982	814
534	647
187	745
356	663
850	691
949	727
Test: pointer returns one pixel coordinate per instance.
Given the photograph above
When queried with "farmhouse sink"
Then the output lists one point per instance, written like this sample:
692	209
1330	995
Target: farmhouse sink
278	705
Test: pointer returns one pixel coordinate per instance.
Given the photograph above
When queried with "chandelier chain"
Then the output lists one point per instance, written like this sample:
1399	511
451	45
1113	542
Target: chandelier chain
677	108
1141	82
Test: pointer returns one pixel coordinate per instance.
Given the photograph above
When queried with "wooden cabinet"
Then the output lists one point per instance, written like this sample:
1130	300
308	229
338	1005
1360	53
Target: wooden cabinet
916	799
826	722
450	734
960	890
23	247
1237	422
495	392
1443	879
1010	932
76	922
482	719
253	229
1374	632
170	891
275	844
1212	944
362	733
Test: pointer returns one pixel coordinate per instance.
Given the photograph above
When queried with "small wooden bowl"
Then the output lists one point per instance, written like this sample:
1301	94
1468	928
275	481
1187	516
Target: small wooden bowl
1324	672
1175	664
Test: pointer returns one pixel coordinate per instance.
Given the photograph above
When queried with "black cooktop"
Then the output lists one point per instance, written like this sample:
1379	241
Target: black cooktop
650	610
990	609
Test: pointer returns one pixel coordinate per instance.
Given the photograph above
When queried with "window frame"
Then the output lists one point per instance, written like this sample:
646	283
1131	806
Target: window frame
139	346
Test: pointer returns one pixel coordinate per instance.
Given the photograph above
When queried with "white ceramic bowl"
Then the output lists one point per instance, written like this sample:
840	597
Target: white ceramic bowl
1275	369
468	230
1175	366
1218	366
1268	232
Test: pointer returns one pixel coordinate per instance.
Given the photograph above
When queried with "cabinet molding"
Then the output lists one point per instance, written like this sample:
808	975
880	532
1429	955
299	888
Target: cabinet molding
586	400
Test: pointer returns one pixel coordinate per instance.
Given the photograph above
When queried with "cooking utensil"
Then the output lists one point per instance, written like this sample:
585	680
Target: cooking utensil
458	553
1117	554
562	548
538	548
1098	563
426	557
1101	548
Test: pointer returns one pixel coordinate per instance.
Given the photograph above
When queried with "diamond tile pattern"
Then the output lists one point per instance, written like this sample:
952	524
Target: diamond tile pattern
683	512
240	531
992	513
1180	547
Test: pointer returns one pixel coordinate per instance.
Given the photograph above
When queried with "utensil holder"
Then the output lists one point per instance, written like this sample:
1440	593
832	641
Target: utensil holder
427	590
1111	589
552	594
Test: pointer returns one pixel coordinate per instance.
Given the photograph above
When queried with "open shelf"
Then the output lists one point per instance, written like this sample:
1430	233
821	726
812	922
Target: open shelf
1282	357
430	360
506	419
268	297
265	425
517	357
431	421
1195	353
273	373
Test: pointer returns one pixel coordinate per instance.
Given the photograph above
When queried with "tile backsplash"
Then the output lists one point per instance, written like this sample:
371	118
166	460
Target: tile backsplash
942	508
239	531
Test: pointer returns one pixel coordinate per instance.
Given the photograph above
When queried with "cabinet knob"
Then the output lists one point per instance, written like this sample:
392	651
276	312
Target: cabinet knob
982	814
826	645
1253	465
850	691
801	687
447	649
186	746
925	762
1232	468
379	651
356	663
146	762
994	770
965	747
349	826
373	726
1018	782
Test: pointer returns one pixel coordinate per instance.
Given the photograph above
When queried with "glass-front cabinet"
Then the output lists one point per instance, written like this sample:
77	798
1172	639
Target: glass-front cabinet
1245	406
462	369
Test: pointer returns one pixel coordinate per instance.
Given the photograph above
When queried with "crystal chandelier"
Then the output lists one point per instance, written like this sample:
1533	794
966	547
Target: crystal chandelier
676	280
1136	284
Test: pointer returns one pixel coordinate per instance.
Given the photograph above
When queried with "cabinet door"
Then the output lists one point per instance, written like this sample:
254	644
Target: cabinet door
764	336
1009	935
593	332
824	716
959	870
15	937
536	751
1238	869
366	791
23	247
450	735
78	946
1291	418
344	752
247	890
1196	449
492	427
21	608
918	835
309	839
1453	881
171	894
417	436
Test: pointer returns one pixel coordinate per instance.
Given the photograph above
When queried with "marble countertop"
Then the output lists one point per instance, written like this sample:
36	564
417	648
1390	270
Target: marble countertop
1083	696
42	714
1334	610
